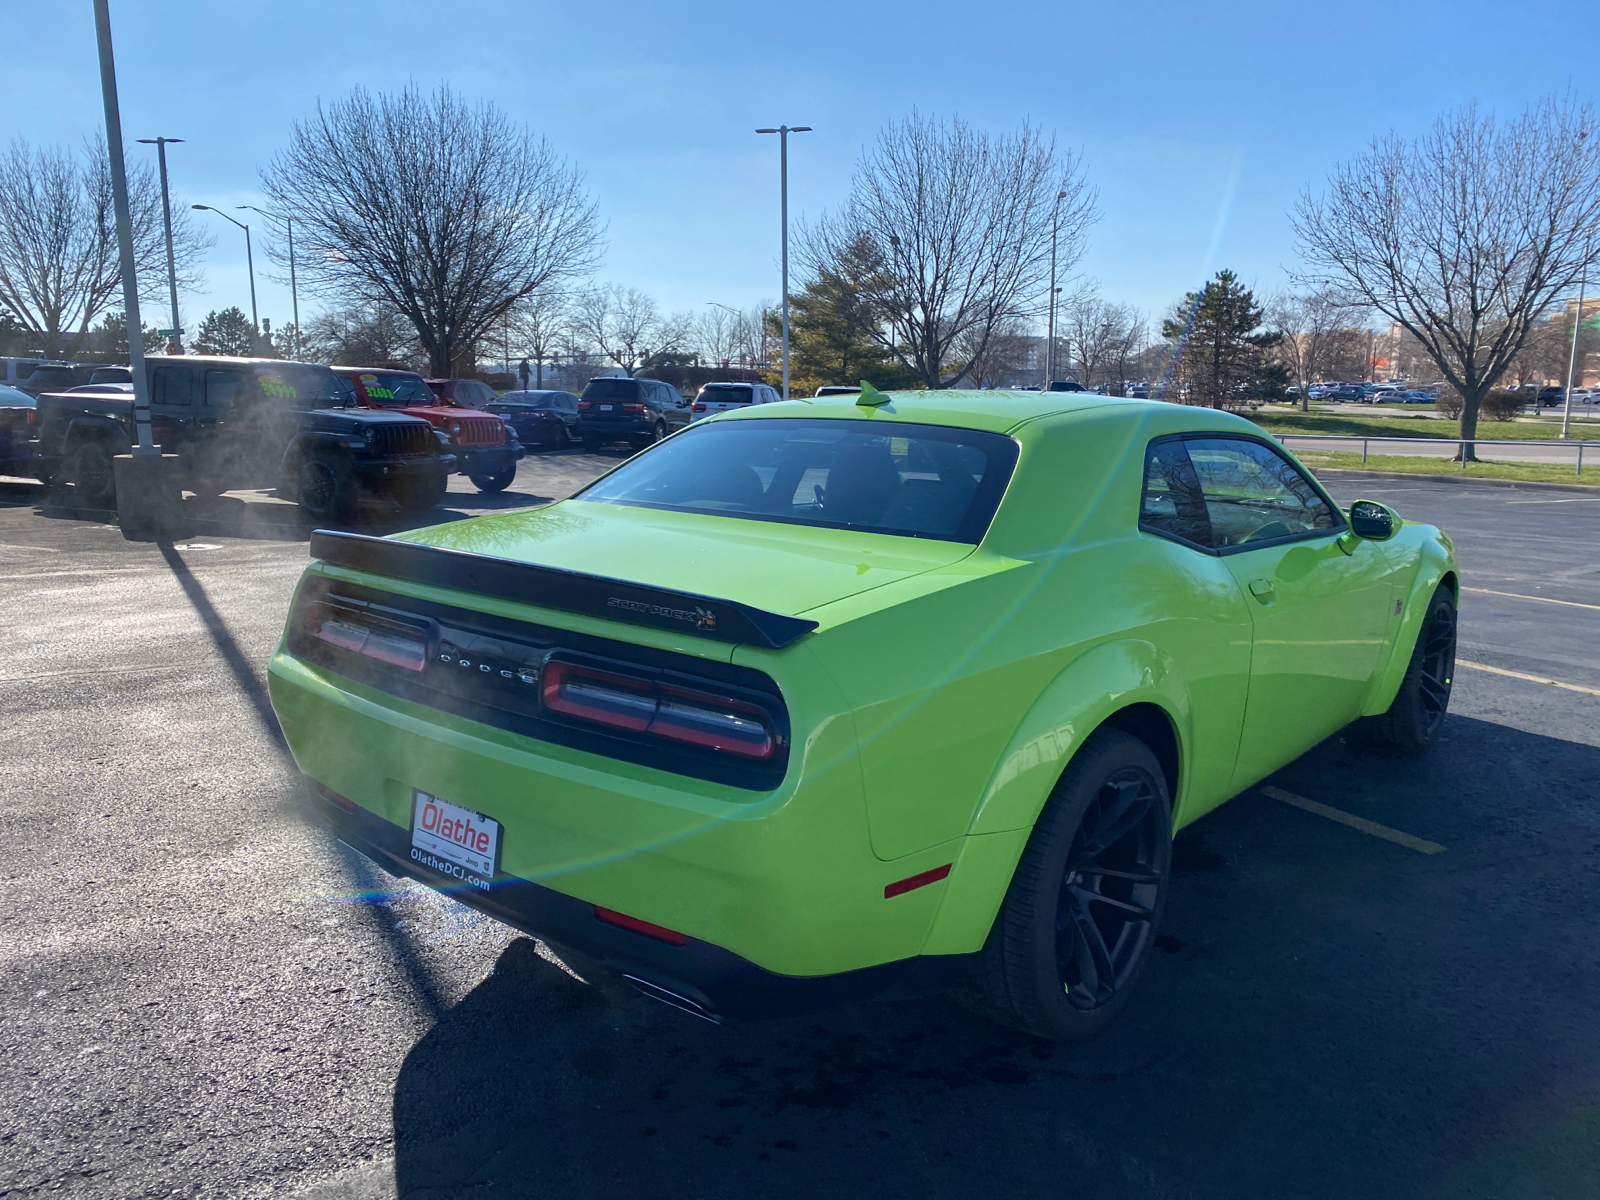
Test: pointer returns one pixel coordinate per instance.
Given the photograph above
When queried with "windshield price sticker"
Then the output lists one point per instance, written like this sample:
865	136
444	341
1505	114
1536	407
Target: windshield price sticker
453	840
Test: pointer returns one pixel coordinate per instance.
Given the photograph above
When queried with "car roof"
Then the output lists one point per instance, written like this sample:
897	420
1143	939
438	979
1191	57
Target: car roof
372	371
966	408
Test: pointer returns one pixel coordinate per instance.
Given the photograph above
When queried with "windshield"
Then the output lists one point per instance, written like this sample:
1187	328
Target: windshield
726	395
885	477
317	386
395	387
611	389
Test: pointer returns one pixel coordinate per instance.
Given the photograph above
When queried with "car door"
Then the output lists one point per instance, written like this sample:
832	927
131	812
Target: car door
172	405
1321	602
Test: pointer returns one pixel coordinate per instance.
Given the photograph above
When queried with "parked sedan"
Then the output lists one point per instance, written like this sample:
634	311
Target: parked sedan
905	692
541	418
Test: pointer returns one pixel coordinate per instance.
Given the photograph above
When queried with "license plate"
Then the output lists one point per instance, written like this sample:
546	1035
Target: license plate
454	841
605	408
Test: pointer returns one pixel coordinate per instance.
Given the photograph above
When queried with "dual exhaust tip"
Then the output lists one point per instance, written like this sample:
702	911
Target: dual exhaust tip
667	996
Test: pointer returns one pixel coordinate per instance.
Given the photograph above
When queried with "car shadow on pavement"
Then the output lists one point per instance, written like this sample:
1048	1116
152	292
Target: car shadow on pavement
1329	1015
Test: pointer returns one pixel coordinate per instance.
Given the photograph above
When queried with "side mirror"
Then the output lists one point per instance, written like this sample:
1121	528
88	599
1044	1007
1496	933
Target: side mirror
1373	522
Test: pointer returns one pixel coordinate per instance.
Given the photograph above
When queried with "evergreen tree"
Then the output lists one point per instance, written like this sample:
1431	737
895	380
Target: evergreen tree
226	332
1220	343
832	327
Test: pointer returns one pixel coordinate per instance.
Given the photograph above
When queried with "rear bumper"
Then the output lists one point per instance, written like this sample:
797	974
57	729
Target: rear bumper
633	429
697	976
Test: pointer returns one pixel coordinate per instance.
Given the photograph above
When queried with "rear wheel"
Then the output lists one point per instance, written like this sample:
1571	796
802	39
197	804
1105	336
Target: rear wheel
1413	720
660	432
90	472
498	482
324	486
1081	915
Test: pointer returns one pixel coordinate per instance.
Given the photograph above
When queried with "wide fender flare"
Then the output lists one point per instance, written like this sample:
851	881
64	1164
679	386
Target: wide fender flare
1434	563
1095	685
303	441
81	429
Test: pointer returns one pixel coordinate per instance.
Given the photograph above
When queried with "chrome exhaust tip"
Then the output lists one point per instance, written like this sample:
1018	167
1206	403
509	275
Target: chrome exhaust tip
656	992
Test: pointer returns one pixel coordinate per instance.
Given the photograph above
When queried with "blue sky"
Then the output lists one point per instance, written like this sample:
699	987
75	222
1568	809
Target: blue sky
1198	124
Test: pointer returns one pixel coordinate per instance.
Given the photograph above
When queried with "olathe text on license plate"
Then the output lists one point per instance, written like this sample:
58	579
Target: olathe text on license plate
453	840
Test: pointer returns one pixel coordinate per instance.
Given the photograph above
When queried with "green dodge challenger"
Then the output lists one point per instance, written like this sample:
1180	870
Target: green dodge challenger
884	695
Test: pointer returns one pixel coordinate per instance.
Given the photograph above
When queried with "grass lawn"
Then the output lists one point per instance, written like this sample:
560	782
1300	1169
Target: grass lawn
1293	421
1409	465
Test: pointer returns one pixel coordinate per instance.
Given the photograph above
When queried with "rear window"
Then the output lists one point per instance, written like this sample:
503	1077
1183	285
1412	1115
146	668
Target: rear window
395	387
727	394
883	477
611	389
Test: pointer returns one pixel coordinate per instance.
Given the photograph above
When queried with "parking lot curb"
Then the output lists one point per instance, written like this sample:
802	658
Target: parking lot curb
1457	480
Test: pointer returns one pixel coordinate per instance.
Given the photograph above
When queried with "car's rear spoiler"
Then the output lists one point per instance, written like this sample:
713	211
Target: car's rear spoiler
553	587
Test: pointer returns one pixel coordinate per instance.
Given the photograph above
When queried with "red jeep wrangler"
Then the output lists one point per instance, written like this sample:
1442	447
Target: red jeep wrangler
486	448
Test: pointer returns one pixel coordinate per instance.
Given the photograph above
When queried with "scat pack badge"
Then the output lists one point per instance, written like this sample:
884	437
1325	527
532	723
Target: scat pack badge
700	618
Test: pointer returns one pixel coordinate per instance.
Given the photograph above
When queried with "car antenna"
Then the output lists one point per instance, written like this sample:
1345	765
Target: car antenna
871	397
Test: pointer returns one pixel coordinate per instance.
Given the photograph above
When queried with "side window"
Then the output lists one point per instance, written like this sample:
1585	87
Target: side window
224	388
172	386
1254	494
1172	503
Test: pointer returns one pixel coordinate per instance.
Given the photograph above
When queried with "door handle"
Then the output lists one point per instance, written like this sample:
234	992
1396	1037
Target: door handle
1261	589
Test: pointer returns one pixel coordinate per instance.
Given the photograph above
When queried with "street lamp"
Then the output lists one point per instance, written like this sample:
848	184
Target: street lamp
1572	360
294	288
160	143
783	132
1050	346
248	257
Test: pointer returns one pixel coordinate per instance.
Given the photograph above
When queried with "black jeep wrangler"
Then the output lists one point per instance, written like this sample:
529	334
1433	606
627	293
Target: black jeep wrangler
247	423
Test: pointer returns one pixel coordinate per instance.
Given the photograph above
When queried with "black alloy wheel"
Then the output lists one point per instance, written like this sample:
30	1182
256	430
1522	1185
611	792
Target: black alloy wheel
323	487
1414	719
1109	891
660	432
92	474
1084	906
498	482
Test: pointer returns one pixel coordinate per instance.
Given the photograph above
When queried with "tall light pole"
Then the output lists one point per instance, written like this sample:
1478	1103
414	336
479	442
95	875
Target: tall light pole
249	258
783	132
119	201
1050	344
294	288
1577	327
160	143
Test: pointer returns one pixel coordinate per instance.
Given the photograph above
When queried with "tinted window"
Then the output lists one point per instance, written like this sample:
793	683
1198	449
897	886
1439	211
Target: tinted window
172	385
611	389
316	386
224	387
734	394
884	477
1172	503
1254	494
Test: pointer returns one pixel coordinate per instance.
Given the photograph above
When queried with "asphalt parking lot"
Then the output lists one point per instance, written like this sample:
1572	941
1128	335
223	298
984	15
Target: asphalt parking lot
203	995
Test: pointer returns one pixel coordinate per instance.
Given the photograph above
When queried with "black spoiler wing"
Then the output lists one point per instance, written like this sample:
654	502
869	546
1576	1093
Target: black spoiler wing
553	587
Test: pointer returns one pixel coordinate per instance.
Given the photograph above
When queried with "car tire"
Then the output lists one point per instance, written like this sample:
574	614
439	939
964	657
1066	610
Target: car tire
659	434
498	482
204	486
593	445
1412	722
1080	918
324	486
93	477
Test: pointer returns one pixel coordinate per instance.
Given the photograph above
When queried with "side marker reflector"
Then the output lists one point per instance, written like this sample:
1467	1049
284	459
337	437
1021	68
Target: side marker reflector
912	882
623	921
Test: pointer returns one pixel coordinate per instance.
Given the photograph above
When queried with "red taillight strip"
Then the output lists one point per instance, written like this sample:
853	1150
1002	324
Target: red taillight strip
623	921
643	706
912	882
359	638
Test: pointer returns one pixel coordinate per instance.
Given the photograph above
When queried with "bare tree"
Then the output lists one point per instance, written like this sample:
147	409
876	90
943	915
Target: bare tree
59	266
998	359
1310	325
422	205
541	327
621	323
1465	237
363	337
961	223
1100	336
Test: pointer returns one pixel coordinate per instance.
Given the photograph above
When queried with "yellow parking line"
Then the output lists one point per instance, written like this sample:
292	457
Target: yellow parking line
1541	599
1571	687
1420	845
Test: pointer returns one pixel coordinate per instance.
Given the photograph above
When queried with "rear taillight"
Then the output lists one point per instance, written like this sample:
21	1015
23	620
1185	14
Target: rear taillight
679	714
697	407
388	644
633	408
582	404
